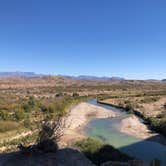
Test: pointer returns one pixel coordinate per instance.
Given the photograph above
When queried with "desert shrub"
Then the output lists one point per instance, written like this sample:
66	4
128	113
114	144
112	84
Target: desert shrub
26	107
52	130
129	106
162	124
19	114
98	152
59	95
30	104
4	115
27	123
150	99
165	105
154	123
8	126
48	137
75	95
102	97
53	110
89	145
158	125
31	101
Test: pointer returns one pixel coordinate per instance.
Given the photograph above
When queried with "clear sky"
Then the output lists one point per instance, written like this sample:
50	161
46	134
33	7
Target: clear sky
84	37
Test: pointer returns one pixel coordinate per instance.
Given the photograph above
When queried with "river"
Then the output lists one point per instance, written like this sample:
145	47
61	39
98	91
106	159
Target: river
107	130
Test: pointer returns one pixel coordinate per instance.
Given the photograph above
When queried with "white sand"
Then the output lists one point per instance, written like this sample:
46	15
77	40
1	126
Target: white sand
78	118
132	126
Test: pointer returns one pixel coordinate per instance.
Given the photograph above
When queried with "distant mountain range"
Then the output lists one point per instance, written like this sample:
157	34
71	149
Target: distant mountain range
34	75
95	78
20	75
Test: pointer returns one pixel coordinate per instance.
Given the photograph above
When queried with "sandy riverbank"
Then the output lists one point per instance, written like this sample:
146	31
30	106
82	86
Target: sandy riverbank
149	109
78	118
81	114
133	126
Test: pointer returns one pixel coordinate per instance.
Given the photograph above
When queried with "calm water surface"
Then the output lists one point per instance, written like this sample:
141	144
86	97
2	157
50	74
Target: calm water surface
107	130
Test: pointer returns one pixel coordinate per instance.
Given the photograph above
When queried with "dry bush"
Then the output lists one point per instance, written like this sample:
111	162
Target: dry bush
49	135
52	130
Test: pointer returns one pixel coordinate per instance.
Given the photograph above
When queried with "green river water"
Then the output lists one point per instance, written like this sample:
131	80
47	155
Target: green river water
107	130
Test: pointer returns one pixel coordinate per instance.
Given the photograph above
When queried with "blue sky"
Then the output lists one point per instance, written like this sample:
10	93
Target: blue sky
84	37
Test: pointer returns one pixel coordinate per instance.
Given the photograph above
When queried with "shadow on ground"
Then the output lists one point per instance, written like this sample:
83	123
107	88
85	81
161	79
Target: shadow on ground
63	157
150	149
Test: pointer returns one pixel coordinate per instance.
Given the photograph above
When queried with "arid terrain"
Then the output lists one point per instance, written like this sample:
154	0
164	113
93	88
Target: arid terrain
49	86
27	102
150	106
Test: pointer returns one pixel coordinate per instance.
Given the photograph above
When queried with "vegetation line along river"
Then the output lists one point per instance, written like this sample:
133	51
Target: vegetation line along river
108	131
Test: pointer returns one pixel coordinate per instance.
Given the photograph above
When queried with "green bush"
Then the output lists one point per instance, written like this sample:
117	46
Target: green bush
30	104
26	107
158	124
31	101
129	106
89	145
4	115
8	126
98	152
